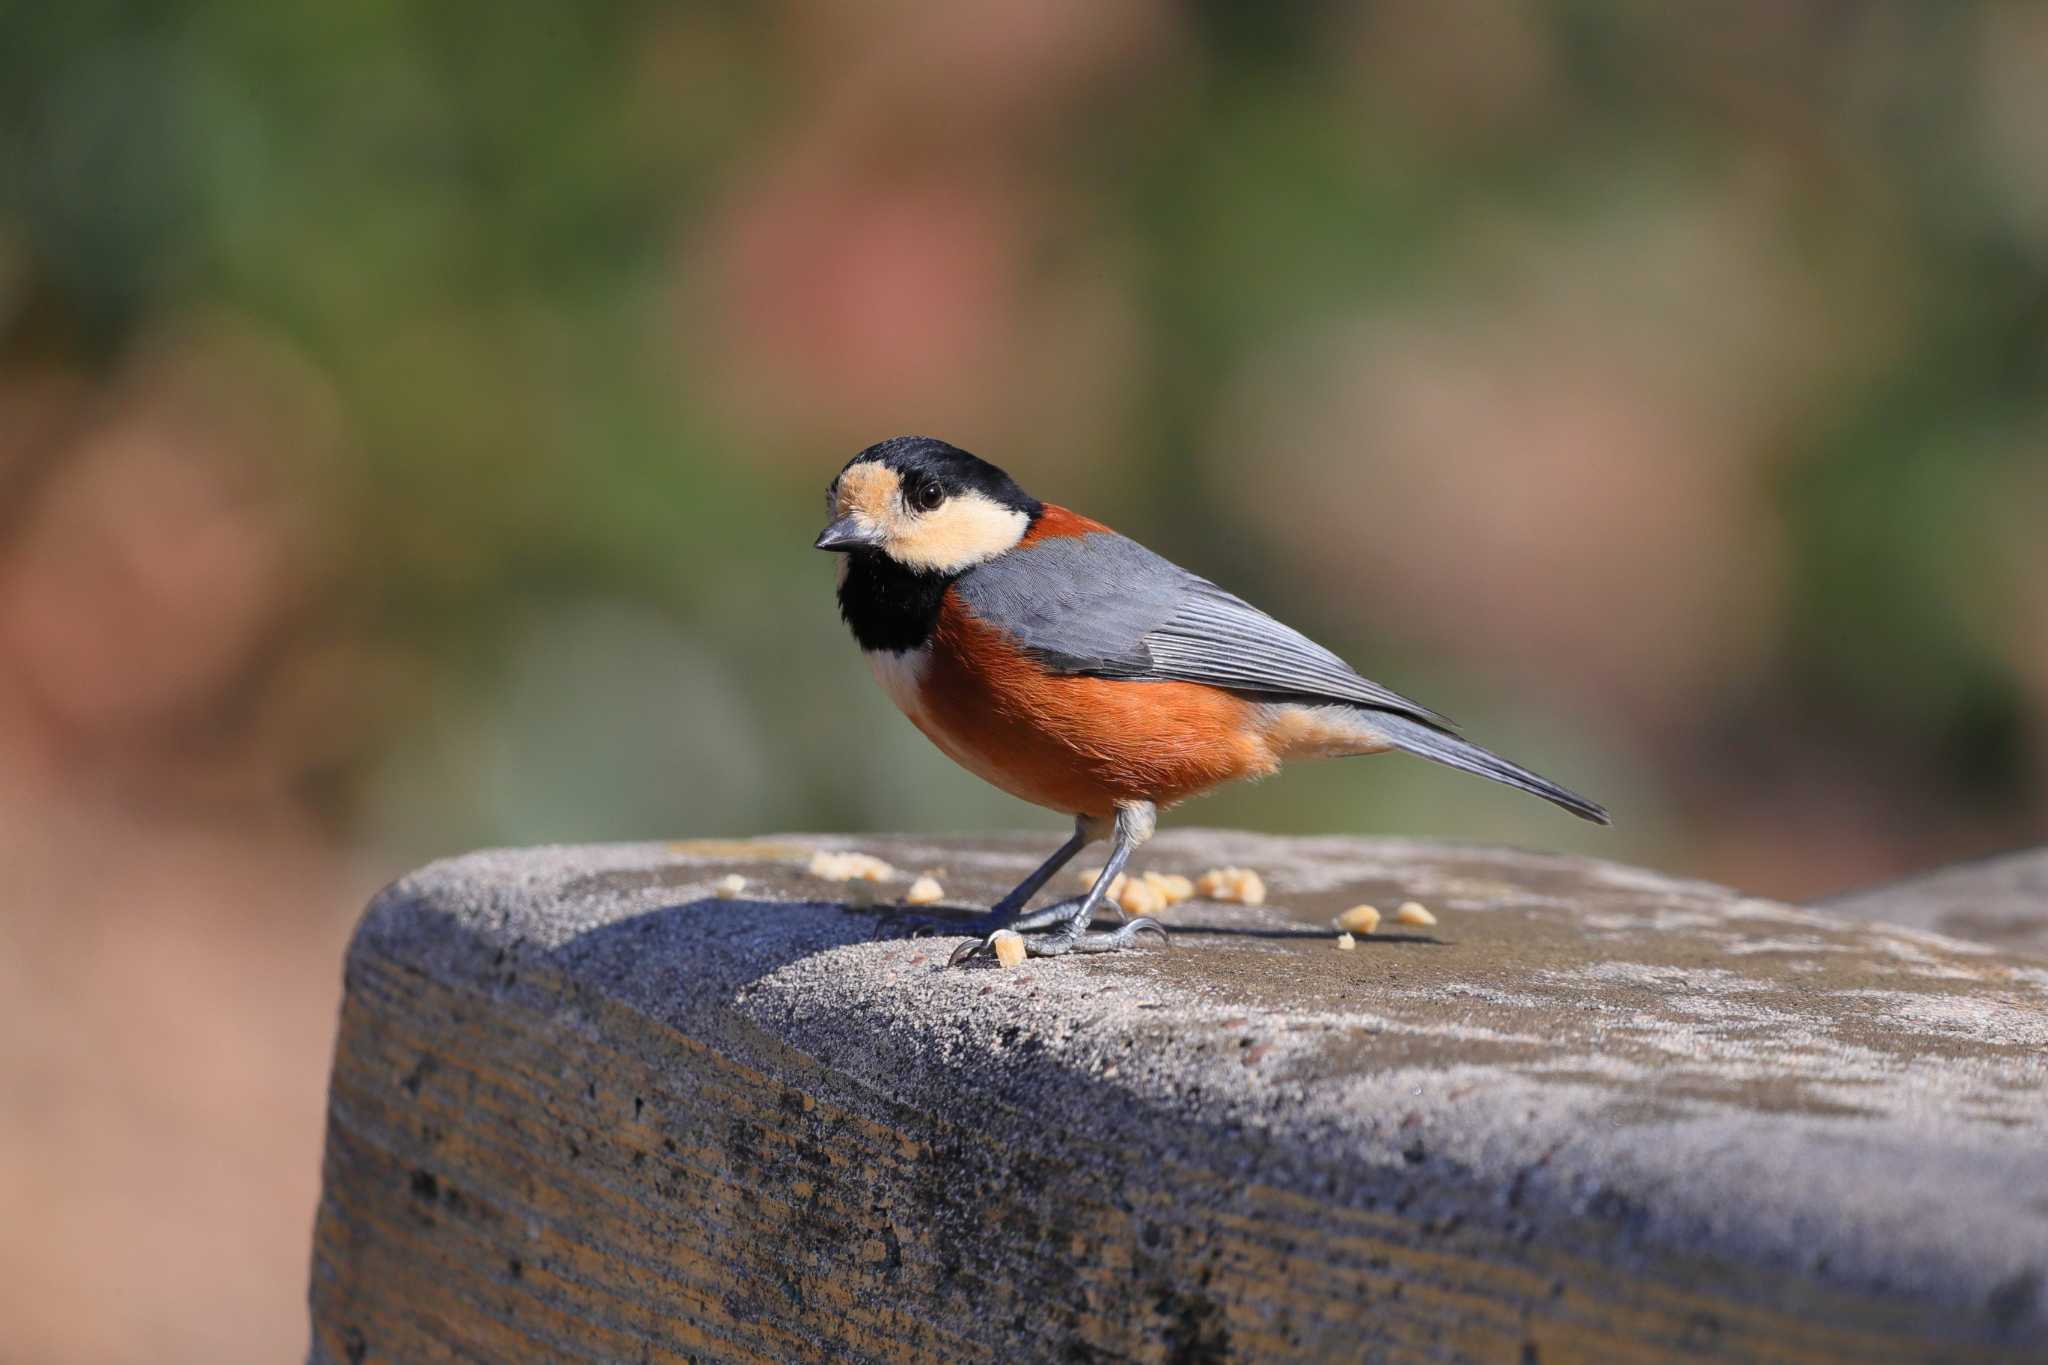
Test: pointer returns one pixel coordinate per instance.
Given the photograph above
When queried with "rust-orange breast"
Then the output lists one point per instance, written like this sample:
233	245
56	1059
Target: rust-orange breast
1077	744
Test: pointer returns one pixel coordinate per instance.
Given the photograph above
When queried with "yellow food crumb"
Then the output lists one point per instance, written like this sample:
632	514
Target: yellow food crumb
1233	884
1174	887
1009	947
1140	897
1359	919
1085	878
1132	892
730	886
1411	912
1347	943
925	891
849	867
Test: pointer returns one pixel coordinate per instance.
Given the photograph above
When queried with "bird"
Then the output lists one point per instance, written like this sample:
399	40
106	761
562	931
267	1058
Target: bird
1077	670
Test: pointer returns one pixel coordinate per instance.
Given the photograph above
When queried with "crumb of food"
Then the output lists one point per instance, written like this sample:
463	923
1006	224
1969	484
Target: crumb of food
924	891
1239	884
1412	912
1085	879
1347	943
1170	885
1009	946
730	886
1146	894
850	867
1140	897
1359	919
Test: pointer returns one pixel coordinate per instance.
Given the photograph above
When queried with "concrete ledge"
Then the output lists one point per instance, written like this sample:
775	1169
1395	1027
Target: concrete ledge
582	1110
2002	901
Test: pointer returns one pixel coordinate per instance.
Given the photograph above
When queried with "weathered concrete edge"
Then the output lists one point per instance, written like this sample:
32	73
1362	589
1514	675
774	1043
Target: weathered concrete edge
437	918
2001	899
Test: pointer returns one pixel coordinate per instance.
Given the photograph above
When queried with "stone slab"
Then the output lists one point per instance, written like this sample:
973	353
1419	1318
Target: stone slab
2001	900
585	1109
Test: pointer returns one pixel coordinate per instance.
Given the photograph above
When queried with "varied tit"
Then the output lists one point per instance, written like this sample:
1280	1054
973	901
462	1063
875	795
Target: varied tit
1076	669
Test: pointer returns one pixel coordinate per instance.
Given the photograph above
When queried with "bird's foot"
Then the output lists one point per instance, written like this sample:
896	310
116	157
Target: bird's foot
926	922
1057	914
1063	941
903	922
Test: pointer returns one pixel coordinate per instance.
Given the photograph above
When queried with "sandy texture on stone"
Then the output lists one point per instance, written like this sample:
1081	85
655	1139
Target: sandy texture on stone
1772	1107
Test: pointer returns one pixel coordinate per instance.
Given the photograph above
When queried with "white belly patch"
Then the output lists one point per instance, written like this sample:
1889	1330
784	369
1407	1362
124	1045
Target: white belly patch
902	677
901	674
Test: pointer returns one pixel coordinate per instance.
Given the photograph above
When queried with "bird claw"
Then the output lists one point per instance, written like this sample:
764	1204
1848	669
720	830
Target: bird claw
1122	937
902	922
1060	944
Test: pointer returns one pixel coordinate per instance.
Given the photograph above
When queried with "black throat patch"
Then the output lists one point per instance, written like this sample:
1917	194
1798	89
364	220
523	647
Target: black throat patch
890	607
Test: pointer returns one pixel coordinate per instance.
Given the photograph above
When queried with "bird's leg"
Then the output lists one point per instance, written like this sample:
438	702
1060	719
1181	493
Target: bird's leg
1134	824
1086	831
1005	913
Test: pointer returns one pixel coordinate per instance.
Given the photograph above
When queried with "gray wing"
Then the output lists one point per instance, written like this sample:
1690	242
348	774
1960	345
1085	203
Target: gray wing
1105	606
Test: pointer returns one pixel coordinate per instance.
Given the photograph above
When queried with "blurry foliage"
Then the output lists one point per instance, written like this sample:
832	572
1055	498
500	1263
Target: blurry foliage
513	242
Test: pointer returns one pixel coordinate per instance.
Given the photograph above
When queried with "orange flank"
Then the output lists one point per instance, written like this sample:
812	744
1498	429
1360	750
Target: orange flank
1074	744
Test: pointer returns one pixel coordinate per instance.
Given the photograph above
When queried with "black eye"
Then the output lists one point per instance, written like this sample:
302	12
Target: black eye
926	494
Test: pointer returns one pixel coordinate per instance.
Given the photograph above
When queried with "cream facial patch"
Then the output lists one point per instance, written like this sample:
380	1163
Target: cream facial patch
964	530
871	494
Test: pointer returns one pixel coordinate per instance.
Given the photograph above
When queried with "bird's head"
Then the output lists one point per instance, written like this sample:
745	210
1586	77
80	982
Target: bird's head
928	506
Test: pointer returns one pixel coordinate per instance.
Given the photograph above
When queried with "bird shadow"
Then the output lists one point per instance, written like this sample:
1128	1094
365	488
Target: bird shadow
937	921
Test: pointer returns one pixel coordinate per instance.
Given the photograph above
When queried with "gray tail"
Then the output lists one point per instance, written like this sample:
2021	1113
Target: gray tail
1446	748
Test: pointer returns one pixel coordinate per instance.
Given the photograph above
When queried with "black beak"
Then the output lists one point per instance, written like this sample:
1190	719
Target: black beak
846	534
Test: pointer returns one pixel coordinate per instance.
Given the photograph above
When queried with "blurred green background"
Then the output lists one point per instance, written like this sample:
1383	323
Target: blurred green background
414	419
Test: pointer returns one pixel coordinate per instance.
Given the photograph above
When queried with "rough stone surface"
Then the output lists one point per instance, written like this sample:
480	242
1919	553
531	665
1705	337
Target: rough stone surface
583	1109
2001	900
